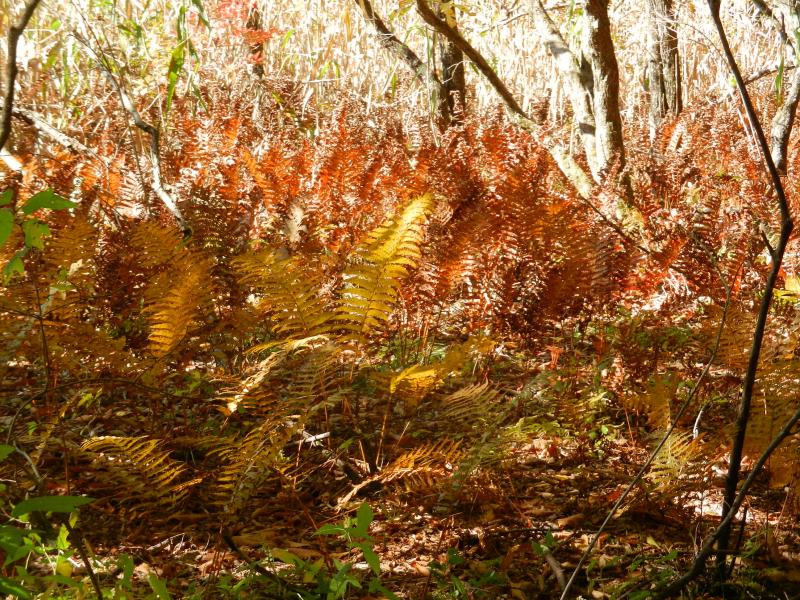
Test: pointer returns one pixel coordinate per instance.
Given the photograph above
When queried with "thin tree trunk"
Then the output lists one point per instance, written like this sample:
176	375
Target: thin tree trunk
782	124
783	121
425	75
663	64
15	31
598	51
451	60
565	161
577	86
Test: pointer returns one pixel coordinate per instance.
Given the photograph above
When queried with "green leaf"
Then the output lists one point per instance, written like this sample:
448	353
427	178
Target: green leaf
372	559
174	72
330	529
12	588
125	562
364	516
14	266
159	587
46	199
5	451
6	197
376	586
58	504
198	4
35	231
6	225
285	556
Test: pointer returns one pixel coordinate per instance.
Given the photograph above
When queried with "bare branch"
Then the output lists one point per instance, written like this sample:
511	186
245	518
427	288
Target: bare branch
661	443
708	546
422	72
37	122
732	501
476	57
14	33
566	162
155	138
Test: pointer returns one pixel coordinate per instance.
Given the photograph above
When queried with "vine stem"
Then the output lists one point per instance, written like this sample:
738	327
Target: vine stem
776	254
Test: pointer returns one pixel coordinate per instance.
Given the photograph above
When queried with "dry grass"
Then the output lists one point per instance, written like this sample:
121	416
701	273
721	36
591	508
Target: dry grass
326	46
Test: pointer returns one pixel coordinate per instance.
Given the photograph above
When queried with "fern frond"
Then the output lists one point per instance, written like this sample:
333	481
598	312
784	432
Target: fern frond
289	292
288	391
423	464
676	460
419	468
178	284
470	404
248	463
383	260
778	399
145	472
171	316
655	401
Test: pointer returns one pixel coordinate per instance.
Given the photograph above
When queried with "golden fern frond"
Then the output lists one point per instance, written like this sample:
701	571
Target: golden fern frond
423	464
466	353
249	462
297	370
155	244
777	399
655	401
317	377
382	261
146	473
288	290
676	461
470	405
288	391
72	248
179	284
171	316
416	382
419	468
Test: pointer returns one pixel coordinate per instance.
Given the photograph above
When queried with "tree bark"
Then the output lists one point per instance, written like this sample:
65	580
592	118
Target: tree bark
576	85
566	162
425	75
591	81
663	64
783	121
15	31
782	124
598	52
451	64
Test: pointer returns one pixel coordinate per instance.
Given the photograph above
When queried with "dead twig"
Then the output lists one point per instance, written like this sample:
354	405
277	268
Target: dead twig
155	141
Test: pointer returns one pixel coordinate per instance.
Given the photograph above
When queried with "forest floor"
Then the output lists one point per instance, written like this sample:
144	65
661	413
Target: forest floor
518	532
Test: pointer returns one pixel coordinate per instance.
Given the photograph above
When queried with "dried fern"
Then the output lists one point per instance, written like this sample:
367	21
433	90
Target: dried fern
288	292
144	472
382	261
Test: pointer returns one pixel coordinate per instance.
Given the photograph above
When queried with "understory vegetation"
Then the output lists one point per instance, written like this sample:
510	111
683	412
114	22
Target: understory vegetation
267	335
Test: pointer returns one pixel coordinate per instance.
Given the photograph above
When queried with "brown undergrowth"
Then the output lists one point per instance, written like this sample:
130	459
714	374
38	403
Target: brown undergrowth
439	327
